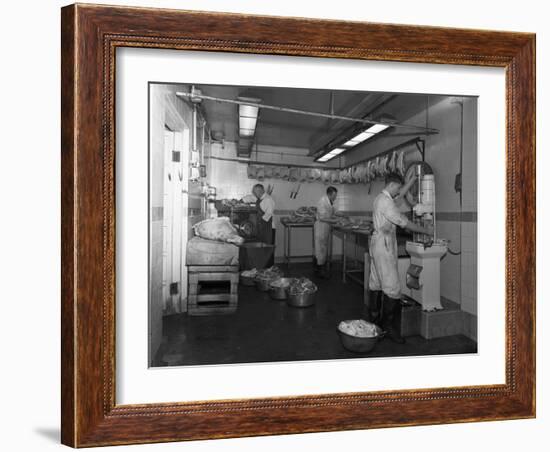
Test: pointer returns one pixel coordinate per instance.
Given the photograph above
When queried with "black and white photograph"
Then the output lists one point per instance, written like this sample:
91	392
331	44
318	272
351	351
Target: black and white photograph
293	224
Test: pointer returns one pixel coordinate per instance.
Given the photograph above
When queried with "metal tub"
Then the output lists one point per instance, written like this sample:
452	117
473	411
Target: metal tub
280	292
262	284
302	300
359	344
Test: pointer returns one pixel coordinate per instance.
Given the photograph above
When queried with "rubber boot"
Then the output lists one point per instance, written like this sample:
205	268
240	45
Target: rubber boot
396	322
316	267
374	308
391	319
323	271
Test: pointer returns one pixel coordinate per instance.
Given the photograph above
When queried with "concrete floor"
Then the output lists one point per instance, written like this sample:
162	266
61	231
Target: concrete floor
265	330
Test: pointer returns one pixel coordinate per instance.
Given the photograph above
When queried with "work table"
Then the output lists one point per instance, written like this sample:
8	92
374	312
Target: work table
355	272
288	226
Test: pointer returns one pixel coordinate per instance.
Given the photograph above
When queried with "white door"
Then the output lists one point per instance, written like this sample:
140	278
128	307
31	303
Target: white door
174	275
167	219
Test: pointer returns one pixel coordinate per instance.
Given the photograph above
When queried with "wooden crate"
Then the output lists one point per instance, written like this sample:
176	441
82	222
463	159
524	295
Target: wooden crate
200	303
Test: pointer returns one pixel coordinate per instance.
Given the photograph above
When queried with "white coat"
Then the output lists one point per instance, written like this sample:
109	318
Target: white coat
325	211
383	245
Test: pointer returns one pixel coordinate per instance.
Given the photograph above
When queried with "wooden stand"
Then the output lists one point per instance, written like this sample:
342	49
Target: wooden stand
202	303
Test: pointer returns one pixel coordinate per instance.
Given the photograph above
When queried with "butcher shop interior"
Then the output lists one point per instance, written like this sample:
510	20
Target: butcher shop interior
291	224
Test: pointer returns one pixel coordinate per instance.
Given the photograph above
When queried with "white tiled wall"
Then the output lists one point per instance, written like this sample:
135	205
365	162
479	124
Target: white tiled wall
450	264
469	203
469	267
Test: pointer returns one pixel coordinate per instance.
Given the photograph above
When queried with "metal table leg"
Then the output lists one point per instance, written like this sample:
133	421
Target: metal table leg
289	245
329	257
344	240
313	245
285	254
366	276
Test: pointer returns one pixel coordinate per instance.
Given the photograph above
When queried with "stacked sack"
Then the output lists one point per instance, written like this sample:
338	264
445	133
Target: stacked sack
216	242
219	229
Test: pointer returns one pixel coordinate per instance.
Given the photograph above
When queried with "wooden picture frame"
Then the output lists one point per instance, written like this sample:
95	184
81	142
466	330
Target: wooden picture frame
90	35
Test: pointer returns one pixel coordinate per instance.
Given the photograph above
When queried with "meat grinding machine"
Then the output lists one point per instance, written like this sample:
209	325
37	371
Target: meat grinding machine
423	274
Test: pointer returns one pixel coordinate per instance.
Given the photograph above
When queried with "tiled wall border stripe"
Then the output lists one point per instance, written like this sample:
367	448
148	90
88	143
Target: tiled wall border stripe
466	217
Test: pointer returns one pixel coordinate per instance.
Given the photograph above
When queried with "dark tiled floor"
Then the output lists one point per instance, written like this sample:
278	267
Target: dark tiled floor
266	330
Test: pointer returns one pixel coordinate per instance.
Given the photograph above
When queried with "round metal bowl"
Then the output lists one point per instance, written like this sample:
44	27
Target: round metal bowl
262	284
280	292
359	344
302	300
248	280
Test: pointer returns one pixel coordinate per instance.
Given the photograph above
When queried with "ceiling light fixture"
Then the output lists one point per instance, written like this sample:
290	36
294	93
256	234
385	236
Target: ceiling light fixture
363	136
358	138
377	128
248	117
330	155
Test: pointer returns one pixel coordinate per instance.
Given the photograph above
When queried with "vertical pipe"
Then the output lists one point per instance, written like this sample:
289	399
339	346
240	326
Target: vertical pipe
202	142
194	122
416	235
434	217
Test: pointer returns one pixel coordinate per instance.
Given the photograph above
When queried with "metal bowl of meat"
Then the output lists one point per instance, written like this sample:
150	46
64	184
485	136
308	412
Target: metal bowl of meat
359	336
265	277
262	284
301	293
248	277
278	288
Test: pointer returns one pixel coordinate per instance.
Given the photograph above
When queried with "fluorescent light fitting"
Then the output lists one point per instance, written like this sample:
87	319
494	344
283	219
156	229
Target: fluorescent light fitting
247	123
377	128
248	110
359	138
351	143
248	117
336	151
330	155
363	136
246	132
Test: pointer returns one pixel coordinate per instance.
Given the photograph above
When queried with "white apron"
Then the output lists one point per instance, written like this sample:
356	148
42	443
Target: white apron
383	246
321	230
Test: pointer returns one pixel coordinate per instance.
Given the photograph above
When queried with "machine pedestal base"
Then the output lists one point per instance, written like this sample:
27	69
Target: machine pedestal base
446	322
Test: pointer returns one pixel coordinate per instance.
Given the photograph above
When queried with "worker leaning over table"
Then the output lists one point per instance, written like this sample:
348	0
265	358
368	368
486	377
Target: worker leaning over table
323	220
384	285
266	207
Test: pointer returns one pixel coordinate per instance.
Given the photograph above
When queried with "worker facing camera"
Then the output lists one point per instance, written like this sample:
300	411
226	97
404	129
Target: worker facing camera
385	289
325	217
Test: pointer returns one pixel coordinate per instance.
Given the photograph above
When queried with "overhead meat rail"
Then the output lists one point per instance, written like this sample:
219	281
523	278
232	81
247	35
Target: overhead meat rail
420	147
305	112
257	162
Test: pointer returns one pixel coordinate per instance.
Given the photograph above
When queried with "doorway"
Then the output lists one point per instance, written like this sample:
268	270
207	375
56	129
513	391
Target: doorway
174	228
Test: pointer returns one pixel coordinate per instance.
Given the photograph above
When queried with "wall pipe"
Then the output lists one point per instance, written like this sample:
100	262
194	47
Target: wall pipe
461	103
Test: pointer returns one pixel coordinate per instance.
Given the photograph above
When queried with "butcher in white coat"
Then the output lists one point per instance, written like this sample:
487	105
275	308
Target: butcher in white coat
385	295
323	220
